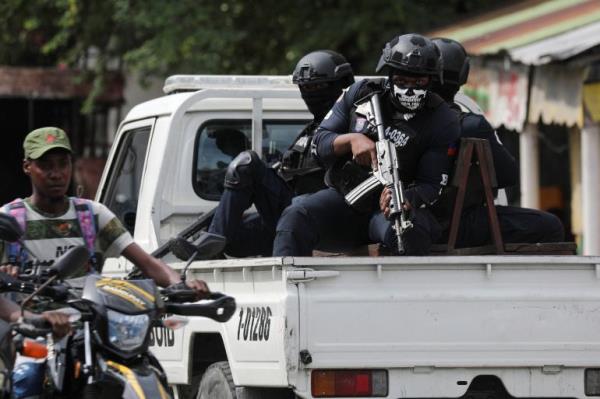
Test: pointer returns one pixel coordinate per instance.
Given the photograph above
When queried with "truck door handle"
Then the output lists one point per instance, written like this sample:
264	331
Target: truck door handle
304	274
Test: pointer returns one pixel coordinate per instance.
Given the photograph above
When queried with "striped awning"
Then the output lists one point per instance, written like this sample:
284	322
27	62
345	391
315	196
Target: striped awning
532	32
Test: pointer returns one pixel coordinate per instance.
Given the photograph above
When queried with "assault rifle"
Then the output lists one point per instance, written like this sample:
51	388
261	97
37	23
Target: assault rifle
386	174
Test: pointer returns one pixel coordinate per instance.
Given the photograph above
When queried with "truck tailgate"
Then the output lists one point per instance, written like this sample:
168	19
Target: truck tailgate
449	311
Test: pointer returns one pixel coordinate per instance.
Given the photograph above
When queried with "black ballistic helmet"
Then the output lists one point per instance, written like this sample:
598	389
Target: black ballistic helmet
411	53
323	66
330	72
456	61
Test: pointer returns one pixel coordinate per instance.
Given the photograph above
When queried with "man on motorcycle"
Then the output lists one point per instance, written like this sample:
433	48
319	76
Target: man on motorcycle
53	222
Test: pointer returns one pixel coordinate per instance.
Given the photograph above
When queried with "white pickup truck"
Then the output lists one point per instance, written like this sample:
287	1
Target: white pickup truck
389	327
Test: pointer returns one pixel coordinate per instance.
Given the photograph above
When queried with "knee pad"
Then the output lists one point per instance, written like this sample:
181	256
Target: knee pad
243	170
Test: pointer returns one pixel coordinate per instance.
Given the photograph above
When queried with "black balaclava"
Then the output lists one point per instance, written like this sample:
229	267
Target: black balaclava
320	101
446	91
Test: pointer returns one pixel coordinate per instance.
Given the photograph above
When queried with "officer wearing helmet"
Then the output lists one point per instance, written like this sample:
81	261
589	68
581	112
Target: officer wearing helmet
417	121
517	225
321	76
456	72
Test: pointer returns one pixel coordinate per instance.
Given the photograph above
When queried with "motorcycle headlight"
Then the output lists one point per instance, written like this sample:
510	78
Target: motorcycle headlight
127	332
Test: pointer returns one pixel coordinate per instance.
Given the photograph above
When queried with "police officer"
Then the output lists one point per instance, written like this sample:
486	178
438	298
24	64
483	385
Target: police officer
517	225
422	127
321	76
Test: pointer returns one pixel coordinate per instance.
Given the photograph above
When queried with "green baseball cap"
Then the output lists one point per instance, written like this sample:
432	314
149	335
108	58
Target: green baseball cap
44	139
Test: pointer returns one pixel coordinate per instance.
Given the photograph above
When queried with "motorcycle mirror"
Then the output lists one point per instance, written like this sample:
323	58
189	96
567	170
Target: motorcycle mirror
10	230
70	262
207	246
182	248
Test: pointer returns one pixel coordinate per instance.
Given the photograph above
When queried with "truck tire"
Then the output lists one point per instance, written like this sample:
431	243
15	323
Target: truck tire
189	391
217	382
264	393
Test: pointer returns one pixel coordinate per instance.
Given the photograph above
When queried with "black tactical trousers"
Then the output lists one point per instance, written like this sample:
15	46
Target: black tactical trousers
253	234
326	222
517	225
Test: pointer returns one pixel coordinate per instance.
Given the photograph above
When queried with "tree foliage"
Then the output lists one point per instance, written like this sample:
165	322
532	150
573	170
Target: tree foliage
160	37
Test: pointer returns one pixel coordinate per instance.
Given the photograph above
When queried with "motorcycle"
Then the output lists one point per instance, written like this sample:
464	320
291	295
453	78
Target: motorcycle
9	231
6	359
107	355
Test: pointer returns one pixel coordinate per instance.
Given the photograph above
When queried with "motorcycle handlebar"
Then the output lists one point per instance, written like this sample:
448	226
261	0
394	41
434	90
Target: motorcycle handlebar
28	277
33	327
180	293
37	322
57	292
220	308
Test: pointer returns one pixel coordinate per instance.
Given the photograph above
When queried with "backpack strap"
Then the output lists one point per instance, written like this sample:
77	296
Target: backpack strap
16	255
87	224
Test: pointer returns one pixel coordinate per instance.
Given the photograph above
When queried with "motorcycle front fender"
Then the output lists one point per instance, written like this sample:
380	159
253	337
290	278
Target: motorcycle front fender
138	382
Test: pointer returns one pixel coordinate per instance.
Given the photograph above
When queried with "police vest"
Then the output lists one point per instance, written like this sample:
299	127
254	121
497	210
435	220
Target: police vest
299	168
400	128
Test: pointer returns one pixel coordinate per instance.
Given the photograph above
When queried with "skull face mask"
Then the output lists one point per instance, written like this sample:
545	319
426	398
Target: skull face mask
410	98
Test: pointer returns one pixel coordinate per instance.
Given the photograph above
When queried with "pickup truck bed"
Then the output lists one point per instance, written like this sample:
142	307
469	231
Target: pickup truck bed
434	323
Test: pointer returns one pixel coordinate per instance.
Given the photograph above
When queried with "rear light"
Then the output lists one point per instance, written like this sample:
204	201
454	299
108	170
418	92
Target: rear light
592	382
34	349
349	383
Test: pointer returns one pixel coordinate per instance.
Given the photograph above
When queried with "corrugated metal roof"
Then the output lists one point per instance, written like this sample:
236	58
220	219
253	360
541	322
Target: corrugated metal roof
558	48
527	23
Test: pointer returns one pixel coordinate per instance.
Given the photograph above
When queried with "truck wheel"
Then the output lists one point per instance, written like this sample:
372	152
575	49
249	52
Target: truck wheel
264	393
189	391
217	383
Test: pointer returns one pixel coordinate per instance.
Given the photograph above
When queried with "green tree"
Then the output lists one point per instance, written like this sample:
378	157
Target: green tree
161	37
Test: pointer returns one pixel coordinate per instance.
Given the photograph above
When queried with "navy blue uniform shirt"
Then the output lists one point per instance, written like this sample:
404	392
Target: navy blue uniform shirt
422	141
505	165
